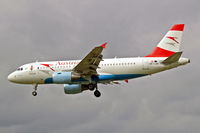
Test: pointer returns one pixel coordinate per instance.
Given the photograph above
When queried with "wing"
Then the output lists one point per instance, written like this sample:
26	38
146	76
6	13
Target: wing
87	67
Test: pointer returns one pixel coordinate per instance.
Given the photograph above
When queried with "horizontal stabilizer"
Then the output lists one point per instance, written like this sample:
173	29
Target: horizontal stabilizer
173	58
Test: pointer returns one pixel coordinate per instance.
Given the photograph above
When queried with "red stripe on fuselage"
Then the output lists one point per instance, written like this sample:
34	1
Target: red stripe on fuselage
47	65
159	52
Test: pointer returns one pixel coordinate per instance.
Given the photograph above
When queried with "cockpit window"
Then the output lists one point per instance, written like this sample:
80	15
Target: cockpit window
19	69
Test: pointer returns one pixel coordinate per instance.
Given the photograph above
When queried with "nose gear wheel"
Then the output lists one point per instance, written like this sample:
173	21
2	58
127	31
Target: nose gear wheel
34	93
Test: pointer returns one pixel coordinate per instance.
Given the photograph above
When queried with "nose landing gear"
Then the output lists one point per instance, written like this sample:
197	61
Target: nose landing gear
34	93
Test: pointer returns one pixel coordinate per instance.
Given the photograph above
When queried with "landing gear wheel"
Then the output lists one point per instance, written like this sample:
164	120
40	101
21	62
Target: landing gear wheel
97	93
91	86
34	93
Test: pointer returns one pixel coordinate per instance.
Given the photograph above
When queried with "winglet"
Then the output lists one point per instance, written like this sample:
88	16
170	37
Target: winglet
104	45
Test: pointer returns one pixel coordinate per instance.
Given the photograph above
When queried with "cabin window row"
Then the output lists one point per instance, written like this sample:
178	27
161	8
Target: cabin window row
118	64
54	67
109	64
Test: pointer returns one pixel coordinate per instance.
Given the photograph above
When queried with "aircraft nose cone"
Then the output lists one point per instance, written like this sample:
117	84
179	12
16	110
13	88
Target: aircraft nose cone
11	77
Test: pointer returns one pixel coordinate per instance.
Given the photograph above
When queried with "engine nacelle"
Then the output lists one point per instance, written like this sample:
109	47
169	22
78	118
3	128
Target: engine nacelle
74	88
64	77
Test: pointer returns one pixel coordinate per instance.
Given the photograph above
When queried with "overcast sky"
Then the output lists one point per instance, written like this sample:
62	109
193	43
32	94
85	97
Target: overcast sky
47	30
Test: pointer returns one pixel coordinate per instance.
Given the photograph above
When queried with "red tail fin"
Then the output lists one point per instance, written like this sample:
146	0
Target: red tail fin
170	43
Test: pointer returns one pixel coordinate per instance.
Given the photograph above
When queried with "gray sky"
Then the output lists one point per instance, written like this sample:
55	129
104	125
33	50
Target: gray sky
33	30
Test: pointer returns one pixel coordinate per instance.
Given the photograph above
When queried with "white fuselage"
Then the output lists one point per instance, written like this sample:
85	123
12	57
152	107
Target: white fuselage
109	69
85	74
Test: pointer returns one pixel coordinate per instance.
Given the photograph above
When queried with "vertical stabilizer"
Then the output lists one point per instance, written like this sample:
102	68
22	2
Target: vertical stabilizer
170	43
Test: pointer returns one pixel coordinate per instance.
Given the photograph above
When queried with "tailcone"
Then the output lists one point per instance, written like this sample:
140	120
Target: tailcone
184	61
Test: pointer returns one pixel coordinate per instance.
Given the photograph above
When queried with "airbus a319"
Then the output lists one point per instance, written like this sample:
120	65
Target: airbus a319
81	75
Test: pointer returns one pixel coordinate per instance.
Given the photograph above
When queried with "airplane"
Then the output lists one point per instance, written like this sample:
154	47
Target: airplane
81	75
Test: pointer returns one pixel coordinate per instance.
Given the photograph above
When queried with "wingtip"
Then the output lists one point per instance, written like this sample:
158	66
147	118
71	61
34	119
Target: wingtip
104	45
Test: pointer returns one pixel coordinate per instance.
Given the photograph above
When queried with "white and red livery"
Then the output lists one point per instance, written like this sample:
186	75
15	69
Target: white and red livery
85	74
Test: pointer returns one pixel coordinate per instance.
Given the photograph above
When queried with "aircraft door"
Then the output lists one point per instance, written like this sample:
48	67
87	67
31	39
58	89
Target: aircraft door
33	69
145	63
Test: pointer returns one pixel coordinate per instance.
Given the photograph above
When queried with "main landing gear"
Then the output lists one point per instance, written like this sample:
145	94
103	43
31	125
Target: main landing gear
34	93
97	93
92	87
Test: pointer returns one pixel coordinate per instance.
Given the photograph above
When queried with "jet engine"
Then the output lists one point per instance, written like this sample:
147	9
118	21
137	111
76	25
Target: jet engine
74	88
64	77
